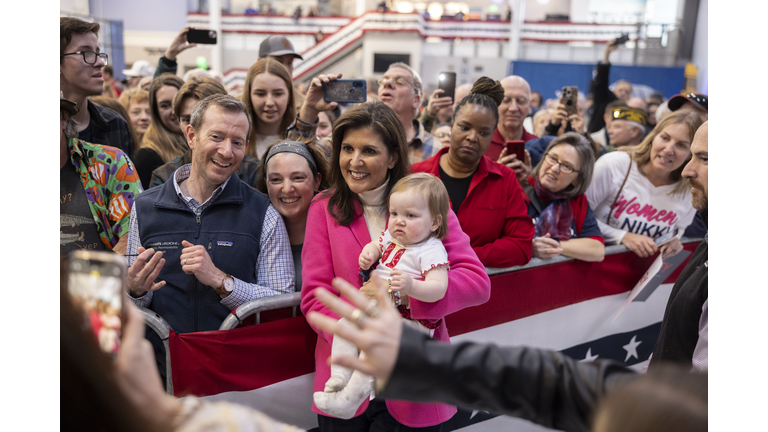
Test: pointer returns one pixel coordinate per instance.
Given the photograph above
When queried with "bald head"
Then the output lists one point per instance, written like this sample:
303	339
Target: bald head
461	92
515	106
637	102
514	81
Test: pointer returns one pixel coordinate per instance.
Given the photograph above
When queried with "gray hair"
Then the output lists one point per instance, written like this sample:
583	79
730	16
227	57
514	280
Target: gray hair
226	102
586	158
643	131
418	86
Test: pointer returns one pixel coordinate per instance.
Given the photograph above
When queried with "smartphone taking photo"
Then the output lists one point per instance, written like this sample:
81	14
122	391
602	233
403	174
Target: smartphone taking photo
96	286
517	148
345	91
569	98
447	83
201	36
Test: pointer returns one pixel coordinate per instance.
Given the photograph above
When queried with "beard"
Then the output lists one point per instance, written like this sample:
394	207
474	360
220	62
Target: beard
699	199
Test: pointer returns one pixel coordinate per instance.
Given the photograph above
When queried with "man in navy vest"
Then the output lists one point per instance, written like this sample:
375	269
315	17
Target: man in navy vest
205	243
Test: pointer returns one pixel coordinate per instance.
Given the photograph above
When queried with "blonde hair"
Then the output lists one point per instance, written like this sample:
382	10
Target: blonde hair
434	193
166	143
641	153
134	95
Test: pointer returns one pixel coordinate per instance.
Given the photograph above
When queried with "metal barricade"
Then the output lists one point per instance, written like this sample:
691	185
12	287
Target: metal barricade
292	300
161	327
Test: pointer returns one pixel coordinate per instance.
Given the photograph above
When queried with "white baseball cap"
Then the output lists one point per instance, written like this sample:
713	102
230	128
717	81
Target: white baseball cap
140	68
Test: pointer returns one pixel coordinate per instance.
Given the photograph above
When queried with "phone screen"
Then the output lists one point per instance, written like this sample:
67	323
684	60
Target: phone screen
353	90
96	286
447	83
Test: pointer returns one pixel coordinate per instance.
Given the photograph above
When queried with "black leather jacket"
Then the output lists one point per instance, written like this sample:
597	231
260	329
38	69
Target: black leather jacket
541	386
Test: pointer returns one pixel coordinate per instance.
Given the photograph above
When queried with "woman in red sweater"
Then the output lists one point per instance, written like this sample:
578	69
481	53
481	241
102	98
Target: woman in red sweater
484	195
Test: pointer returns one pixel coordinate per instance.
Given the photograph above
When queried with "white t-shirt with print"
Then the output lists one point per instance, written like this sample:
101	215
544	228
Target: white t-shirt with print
415	260
642	208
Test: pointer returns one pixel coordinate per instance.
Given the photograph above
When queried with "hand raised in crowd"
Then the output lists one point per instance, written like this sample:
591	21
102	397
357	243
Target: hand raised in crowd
144	271
379	335
179	44
609	48
641	245
577	123
522	169
314	102
671	249
401	281
556	120
546	247
196	261
436	103
133	372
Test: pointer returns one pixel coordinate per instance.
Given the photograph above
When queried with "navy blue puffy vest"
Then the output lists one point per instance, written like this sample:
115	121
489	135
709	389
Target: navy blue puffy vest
230	229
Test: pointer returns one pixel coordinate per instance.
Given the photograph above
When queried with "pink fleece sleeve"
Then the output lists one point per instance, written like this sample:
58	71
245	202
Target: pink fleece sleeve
317	262
468	282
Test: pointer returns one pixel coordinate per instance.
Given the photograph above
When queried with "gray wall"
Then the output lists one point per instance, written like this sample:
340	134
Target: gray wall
144	15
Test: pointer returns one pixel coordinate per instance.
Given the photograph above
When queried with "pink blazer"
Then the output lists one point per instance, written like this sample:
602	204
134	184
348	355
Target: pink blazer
332	250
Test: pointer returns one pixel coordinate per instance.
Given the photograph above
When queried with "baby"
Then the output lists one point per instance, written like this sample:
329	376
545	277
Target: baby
413	261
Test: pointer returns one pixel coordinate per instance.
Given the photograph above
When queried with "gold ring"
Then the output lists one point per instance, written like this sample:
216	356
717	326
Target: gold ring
372	309
358	317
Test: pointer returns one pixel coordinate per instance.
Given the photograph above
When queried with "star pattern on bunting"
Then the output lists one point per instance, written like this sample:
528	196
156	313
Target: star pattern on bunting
589	358
631	348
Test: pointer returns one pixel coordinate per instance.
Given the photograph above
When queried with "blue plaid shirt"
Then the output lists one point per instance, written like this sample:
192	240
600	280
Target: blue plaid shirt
274	269
427	142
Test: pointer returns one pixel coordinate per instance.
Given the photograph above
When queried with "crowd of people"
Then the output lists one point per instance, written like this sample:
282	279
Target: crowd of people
217	199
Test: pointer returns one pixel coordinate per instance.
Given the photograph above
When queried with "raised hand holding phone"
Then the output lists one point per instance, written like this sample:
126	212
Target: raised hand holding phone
96	285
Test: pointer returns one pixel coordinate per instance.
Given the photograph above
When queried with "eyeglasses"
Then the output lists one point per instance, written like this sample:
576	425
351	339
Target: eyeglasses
90	56
567	169
399	81
442	135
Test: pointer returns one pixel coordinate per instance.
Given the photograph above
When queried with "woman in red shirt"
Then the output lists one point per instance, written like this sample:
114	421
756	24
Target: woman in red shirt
484	195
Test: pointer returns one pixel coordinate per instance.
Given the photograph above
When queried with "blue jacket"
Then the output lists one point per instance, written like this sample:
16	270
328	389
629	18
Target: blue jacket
230	229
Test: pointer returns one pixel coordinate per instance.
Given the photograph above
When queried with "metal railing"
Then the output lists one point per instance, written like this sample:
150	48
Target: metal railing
292	300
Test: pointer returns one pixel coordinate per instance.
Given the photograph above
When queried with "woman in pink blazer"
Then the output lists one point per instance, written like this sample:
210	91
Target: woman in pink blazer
370	155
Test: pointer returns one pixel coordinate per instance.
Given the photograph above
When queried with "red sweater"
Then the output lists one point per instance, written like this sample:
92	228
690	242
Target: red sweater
498	143
494	214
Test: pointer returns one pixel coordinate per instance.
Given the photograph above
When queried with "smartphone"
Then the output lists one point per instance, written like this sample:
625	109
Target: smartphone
447	83
621	40
518	148
569	98
346	90
666	238
200	36
96	285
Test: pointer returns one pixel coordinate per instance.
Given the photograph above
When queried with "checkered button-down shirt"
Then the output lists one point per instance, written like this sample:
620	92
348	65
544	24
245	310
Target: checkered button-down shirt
424	141
274	268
